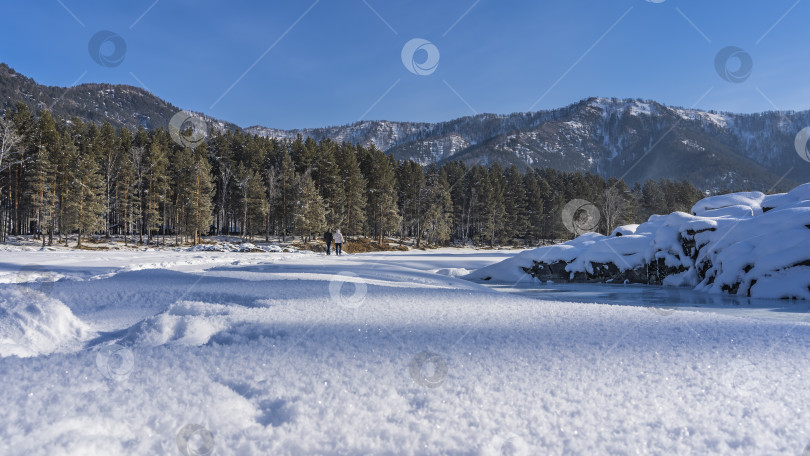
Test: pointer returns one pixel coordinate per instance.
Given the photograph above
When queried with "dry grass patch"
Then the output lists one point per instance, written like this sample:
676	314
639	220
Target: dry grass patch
363	245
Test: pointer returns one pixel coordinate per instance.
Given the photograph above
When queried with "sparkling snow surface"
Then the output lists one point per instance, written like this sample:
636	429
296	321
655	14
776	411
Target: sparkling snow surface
273	353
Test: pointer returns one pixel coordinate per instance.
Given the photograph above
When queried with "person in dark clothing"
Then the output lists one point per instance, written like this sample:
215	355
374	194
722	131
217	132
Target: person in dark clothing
327	237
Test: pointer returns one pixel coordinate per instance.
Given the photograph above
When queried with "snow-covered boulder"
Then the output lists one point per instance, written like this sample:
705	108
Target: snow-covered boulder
742	243
624	230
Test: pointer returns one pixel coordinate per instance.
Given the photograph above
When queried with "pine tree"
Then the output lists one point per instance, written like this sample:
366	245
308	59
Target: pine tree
241	179
467	196
310	214
438	209
514	201
200	199
553	203
128	188
107	150
410	190
495	211
383	215
257	204
287	195
253	206
181	189
536	193
354	190
222	156
17	130
62	161
454	174
156	184
478	205
653	200
303	154
271	186
326	175
17	145
43	176
84	206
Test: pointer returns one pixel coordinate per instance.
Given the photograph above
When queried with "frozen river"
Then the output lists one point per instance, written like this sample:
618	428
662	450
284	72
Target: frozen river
663	300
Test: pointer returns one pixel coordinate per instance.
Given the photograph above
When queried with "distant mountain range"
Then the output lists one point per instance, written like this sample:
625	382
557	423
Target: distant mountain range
633	139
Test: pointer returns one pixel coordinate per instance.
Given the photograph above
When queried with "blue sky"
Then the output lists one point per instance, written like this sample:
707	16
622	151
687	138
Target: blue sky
340	60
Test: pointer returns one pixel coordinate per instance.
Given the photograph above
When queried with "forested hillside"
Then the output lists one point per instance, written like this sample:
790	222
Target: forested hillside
60	178
119	105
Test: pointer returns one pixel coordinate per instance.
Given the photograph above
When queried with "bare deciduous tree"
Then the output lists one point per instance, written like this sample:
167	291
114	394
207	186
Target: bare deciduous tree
614	205
9	143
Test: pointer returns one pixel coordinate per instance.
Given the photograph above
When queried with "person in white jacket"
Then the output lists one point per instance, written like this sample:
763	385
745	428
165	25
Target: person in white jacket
338	239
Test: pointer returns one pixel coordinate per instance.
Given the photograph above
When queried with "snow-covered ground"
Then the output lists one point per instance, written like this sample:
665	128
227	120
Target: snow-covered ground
171	352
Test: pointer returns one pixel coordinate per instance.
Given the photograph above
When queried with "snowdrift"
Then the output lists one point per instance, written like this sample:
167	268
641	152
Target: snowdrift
749	244
194	323
33	324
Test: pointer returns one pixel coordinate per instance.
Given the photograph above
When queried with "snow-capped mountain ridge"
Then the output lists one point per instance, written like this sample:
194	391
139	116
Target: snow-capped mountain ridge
634	139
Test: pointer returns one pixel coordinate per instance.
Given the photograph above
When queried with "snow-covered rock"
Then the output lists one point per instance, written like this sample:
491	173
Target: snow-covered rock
741	243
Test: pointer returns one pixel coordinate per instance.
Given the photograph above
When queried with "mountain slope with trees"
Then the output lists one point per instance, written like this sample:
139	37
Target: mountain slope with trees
119	105
632	139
